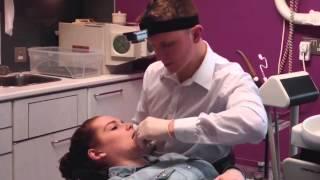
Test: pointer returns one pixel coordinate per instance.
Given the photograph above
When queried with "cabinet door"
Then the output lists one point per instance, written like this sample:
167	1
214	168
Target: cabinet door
5	140
5	115
6	167
39	158
118	100
46	114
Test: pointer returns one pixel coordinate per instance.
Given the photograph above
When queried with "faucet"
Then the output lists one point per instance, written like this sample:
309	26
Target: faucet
4	70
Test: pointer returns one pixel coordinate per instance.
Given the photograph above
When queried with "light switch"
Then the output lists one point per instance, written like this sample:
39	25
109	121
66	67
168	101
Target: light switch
20	54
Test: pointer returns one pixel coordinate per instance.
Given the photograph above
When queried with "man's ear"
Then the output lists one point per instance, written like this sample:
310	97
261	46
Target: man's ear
196	33
96	155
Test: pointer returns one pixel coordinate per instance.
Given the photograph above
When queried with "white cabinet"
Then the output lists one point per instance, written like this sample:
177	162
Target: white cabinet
38	158
50	113
5	155
43	126
6	172
5	140
118	100
5	114
6	167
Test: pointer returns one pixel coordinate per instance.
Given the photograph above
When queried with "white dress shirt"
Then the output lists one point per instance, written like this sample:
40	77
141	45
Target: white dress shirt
216	108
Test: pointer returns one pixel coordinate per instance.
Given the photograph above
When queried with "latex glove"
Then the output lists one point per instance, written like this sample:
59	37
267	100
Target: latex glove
231	174
152	129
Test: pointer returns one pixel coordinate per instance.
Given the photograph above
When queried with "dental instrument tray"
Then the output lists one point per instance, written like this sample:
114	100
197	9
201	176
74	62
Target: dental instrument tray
70	63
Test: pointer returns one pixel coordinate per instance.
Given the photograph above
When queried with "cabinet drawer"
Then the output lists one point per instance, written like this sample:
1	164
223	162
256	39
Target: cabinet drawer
5	140
46	114
119	100
39	158
5	115
6	167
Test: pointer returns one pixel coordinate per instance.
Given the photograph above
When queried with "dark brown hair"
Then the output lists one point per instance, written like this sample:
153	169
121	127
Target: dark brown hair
76	163
162	10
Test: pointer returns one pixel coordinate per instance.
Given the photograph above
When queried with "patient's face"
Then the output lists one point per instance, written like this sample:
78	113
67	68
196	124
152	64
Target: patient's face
116	137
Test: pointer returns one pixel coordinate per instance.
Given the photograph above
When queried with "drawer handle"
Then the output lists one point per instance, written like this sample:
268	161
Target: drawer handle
119	91
60	141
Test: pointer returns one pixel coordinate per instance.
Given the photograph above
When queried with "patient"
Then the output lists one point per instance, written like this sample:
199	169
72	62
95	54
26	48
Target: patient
104	148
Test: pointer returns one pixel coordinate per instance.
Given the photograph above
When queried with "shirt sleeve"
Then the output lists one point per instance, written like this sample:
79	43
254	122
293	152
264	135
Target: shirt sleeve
243	121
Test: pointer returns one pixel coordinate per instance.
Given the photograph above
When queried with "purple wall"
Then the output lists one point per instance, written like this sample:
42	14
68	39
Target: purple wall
253	27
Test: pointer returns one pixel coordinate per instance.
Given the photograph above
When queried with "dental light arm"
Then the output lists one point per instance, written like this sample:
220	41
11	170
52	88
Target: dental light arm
311	18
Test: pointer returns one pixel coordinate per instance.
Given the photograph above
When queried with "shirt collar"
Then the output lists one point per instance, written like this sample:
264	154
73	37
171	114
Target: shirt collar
124	171
165	74
203	76
121	171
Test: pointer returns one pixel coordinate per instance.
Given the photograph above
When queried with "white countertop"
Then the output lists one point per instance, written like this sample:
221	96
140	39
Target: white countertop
10	93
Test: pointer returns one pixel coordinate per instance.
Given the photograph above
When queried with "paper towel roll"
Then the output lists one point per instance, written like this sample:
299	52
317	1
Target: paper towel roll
8	16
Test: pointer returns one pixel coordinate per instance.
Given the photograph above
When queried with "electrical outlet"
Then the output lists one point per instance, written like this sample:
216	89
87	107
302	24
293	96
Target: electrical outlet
20	54
315	46
304	50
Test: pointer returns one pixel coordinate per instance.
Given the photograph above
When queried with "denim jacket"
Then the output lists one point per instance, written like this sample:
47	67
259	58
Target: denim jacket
170	166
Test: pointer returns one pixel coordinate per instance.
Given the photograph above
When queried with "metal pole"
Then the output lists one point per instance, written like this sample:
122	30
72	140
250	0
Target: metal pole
276	141
274	159
266	157
294	120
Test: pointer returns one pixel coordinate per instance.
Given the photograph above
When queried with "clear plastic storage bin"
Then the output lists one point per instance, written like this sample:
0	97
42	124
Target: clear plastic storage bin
72	63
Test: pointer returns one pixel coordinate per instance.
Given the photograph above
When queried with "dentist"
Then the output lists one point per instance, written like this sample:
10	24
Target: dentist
193	100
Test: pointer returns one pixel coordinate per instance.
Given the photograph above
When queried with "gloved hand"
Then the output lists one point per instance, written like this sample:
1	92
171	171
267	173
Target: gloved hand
152	129
231	174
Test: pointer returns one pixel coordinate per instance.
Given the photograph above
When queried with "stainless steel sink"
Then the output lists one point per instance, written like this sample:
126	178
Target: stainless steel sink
25	79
